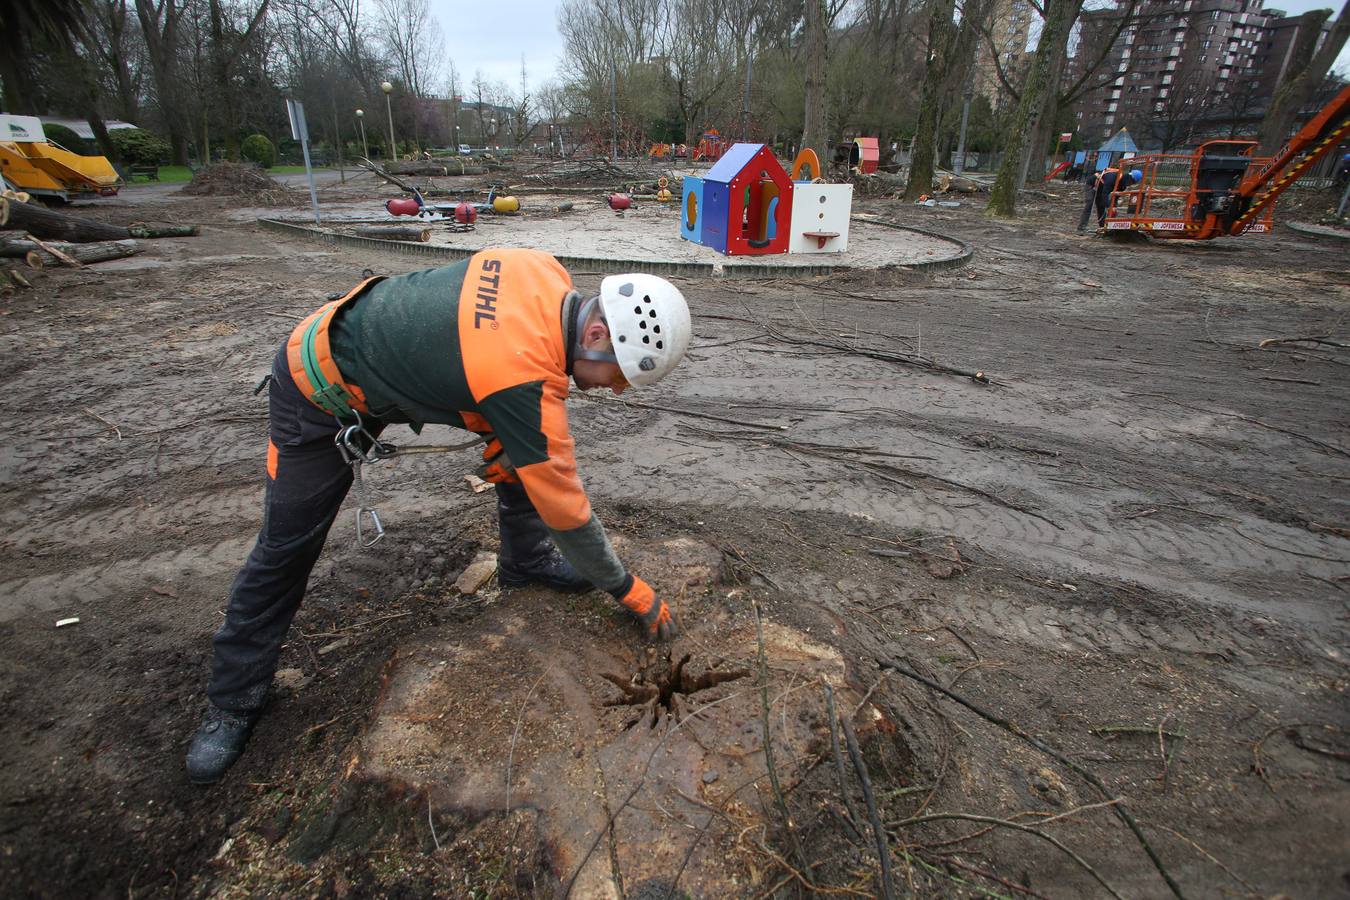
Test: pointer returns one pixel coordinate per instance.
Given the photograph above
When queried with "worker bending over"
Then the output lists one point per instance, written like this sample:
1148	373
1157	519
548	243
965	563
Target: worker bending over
1106	182
487	345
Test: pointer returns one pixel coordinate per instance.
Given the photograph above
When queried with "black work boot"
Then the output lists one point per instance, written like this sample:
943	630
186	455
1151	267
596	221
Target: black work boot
218	743
528	555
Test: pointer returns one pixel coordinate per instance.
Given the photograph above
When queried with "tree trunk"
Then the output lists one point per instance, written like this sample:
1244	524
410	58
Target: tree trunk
159	26
413	233
941	34
1303	77
815	119
417	167
84	253
46	223
1059	17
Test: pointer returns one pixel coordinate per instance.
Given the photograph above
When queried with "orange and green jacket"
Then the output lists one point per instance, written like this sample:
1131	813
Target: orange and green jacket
483	345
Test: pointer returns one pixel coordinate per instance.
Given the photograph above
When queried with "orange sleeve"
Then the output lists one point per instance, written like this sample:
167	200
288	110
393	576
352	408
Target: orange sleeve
552	483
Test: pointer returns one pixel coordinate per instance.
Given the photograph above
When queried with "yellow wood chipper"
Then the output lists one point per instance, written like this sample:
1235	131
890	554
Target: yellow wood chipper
31	163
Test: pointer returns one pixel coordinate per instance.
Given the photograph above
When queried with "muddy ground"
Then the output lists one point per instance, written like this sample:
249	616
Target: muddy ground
1129	551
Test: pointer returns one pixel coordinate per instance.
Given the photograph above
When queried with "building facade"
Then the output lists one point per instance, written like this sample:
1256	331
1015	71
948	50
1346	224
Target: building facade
1182	71
1004	49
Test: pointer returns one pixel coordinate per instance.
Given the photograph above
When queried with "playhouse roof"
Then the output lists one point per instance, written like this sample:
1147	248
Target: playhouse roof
731	163
1120	142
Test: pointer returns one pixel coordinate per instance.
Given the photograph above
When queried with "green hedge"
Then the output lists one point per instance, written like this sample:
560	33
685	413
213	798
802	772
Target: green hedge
139	147
258	149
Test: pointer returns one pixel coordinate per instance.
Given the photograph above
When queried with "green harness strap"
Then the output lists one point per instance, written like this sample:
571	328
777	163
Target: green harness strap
332	398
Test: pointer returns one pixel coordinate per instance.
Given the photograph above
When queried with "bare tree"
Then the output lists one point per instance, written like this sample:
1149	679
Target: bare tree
522	109
1049	58
413	39
816	113
230	40
160	20
1304	76
951	48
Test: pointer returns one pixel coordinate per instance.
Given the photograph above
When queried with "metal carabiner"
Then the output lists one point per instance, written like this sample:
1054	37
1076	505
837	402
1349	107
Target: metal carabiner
362	511
358	445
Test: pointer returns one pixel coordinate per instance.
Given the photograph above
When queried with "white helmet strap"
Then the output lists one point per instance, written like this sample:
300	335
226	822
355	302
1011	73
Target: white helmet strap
584	310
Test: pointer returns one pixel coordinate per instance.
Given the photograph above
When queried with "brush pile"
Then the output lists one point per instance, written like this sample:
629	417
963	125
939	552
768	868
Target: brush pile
231	179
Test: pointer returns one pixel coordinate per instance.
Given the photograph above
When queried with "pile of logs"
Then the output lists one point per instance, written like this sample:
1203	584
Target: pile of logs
43	237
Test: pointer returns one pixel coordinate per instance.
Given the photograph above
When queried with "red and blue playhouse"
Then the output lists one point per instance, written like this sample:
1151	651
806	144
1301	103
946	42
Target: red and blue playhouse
747	205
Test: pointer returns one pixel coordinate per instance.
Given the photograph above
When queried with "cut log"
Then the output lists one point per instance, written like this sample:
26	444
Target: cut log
54	251
47	223
415	167
142	230
395	232
959	184
463	167
83	253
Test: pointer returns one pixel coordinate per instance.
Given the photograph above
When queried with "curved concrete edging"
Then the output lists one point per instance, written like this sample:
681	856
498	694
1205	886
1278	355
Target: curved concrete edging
1316	231
601	264
951	262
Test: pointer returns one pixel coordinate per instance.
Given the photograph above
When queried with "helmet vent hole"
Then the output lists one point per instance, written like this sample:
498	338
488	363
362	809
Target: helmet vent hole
659	345
637	310
646	339
646	298
643	324
656	329
652	314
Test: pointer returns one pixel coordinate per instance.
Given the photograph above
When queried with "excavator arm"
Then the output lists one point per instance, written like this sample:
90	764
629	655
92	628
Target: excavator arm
1260	188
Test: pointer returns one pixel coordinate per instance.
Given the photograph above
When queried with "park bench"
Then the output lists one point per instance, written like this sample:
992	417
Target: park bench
150	173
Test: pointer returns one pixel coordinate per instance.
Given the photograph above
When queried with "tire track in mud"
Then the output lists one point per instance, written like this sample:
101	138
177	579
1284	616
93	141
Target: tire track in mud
74	588
98	523
1213	565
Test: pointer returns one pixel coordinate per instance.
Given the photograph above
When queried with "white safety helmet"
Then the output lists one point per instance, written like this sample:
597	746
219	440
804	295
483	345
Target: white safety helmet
648	324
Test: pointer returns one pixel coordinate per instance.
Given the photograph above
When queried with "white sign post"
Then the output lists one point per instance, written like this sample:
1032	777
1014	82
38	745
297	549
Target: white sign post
300	131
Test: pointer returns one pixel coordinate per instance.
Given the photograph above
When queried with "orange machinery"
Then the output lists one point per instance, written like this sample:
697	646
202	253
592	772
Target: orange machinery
1221	188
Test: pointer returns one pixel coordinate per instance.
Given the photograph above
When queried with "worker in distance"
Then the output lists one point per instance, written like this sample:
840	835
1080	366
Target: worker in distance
488	345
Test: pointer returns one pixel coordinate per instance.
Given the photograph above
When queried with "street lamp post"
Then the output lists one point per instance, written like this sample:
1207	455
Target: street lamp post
361	120
389	89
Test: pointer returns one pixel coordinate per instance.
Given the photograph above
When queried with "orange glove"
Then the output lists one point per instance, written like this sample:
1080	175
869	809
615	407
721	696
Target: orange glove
496	467
655	615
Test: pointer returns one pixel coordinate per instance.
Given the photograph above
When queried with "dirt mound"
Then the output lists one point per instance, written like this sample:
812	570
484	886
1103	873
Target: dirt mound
229	179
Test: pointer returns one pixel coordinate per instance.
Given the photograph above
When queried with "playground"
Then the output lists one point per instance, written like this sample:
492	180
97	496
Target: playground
1126	539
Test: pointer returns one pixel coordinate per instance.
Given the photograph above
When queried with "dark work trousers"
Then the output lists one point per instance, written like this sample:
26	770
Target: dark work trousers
1103	204
301	501
1089	198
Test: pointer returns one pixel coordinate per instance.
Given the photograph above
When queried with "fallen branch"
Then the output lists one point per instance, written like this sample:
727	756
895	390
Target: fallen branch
680	412
839	758
901	359
55	252
1004	823
779	801
1271	342
885	471
879	832
1045	748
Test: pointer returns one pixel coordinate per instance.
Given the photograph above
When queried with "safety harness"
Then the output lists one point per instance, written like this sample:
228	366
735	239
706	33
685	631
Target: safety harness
309	356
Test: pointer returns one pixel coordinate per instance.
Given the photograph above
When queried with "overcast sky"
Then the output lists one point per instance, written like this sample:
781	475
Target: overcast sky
491	37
